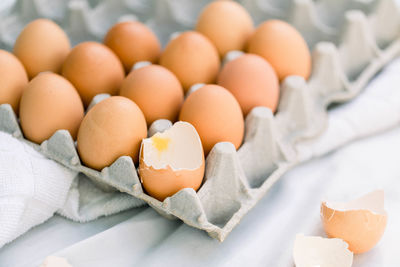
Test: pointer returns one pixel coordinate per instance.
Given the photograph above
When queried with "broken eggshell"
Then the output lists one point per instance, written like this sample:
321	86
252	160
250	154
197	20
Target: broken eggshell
313	251
171	160
360	222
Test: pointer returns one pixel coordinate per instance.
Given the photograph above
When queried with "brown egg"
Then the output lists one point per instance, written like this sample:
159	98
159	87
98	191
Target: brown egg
133	41
113	128
42	46
49	103
283	47
227	24
215	114
171	160
13	79
253	82
156	91
192	58
93	69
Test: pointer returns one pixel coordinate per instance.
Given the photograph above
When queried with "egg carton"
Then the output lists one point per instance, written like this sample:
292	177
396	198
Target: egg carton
349	48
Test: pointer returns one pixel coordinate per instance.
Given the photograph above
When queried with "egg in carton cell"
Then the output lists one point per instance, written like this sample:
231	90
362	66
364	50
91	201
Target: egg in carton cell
235	180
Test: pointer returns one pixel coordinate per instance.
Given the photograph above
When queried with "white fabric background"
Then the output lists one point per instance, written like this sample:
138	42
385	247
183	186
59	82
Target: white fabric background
265	236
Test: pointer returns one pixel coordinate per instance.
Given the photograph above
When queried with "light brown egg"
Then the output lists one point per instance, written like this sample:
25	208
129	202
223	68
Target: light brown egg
132	42
49	103
227	24
113	128
215	114
171	161
283	47
192	58
360	222
156	91
253	82
93	68
13	79
42	46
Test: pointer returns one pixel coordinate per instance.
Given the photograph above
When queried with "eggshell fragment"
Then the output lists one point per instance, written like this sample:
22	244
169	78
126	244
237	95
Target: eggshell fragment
156	91
171	161
13	79
113	128
253	82
313	251
192	58
227	24
42	46
93	69
216	115
53	261
283	47
132	41
49	103
360	222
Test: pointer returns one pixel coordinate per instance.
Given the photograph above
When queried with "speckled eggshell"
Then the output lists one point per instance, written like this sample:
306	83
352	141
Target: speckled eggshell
156	90
253	82
216	115
192	58
227	24
42	46
13	79
93	69
49	103
132	41
113	128
283	47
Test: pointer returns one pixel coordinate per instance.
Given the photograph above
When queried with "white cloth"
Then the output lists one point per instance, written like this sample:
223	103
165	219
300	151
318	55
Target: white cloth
375	110
33	188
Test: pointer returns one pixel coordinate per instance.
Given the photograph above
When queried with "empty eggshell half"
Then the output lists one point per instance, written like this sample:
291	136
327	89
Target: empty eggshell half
360	222
313	251
171	161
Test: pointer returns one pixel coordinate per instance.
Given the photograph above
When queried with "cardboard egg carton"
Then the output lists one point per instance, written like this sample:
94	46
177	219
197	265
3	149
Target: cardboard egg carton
349	48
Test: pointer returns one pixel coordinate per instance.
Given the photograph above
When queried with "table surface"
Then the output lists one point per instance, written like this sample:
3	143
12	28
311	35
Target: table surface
265	237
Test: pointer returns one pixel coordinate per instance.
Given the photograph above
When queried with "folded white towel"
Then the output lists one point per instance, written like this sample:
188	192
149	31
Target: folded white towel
33	188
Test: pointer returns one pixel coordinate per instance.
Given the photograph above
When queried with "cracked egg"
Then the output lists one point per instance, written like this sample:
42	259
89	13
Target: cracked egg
171	160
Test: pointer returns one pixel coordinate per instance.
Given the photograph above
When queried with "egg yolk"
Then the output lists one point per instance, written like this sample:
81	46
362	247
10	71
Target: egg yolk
161	144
